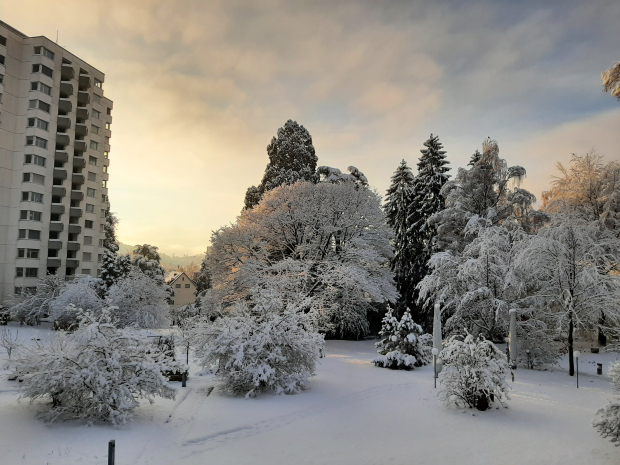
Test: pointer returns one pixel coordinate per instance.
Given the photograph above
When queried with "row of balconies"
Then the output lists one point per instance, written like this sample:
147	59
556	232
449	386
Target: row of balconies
70	263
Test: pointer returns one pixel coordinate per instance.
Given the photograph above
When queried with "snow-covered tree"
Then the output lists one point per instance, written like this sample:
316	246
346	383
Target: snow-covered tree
83	293
139	301
97	373
474	373
403	344
34	305
611	80
334	175
146	257
607	419
113	266
9	340
291	158
266	345
569	269
204	278
329	240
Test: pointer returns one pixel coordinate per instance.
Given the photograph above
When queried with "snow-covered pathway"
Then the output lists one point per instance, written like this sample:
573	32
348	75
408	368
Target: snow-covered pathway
354	413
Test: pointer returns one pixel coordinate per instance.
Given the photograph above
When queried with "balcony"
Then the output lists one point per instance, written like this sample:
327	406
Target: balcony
59	191
62	156
73	263
82	113
73	245
63	122
65	105
83	98
53	262
56	226
85	82
58	208
80	145
66	88
105	176
75	212
79	162
81	129
67	72
62	138
77	178
55	244
77	195
60	173
75	229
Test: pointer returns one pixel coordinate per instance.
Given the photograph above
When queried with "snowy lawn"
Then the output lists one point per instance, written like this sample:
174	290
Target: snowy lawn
354	413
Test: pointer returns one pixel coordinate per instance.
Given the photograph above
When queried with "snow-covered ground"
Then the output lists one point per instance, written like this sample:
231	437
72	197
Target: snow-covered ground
354	413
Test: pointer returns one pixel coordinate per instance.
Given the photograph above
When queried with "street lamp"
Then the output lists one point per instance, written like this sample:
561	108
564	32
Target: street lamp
576	354
435	354
529	364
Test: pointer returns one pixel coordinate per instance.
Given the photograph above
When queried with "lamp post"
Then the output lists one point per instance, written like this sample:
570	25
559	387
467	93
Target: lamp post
435	354
529	364
576	354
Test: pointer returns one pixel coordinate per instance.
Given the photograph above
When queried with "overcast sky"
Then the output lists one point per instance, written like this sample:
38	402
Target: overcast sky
201	87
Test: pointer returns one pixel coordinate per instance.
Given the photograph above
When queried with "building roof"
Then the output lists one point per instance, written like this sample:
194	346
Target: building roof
174	275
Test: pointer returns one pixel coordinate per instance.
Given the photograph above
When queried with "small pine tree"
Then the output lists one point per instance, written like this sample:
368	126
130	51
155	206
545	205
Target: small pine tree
607	420
291	158
204	278
403	344
113	267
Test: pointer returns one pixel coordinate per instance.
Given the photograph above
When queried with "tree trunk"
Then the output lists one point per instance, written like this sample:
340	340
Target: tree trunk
571	361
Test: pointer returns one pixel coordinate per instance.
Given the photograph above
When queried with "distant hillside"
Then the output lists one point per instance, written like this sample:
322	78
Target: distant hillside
169	262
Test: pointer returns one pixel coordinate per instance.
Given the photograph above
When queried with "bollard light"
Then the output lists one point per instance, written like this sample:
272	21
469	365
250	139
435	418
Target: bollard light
576	354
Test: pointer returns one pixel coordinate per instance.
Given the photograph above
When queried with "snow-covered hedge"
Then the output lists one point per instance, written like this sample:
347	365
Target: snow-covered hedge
96	373
402	345
607	420
259	349
474	373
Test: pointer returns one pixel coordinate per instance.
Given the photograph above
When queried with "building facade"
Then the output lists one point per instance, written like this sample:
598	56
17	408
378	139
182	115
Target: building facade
184	288
54	156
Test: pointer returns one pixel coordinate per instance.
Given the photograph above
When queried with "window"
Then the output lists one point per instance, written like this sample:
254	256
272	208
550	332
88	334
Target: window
36	141
29	234
94	145
1	78
94	129
178	286
31	177
45	52
85	271
34	160
100	242
109	111
97	98
54	235
19	272
1	59
88	224
92	176
29	215
38	122
42	69
32	272
40	105
55	217
27	253
92	161
104	184
105	168
90	208
32	197
98	83
96	114
3	40
105	154
88	240
104	198
187	286
102	213
99	272
86	256
101	228
47	90
99	258
90	192
107	126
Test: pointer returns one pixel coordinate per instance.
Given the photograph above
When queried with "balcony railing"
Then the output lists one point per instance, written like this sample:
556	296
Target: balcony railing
61	155
77	195
77	178
81	129
67	72
75	212
73	245
59	191
58	208
60	173
65	105
54	244
79	162
75	229
56	226
62	138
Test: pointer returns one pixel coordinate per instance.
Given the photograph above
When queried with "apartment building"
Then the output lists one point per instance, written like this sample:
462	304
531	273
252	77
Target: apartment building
54	157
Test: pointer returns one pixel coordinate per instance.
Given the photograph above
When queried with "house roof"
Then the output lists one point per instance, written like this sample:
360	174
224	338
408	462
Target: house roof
174	275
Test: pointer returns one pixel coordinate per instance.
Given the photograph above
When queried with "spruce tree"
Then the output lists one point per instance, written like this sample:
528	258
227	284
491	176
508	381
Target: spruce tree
399	200
291	158
427	200
114	267
204	279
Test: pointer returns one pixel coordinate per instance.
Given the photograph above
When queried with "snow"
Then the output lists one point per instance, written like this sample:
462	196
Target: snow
354	413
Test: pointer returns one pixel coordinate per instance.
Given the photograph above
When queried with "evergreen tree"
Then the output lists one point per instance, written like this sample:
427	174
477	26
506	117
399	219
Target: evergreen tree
475	158
204	279
397	209
114	267
291	159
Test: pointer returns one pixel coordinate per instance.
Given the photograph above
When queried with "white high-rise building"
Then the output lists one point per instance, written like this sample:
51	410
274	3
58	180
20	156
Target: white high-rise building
54	147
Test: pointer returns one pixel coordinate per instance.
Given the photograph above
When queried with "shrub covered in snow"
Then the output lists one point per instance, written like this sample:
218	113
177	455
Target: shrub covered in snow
607	420
33	305
82	292
96	373
474	372
402	345
266	347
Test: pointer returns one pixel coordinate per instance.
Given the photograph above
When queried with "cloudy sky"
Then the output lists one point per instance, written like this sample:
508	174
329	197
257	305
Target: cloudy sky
200	88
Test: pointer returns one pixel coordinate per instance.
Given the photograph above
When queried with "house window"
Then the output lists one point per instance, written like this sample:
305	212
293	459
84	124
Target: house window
95	129
105	154
105	168
92	161
88	224
45	52
187	286
102	213
19	272
32	272
42	69
101	228
38	122
30	159
98	83
29	234
86	256
90	208
99	258
32	197
88	240
90	192
27	253
94	145
100	242
31	177
99	272
47	90
107	126
97	98
178	286
85	271
29	215
96	114
36	141
38	104
104	184
92	176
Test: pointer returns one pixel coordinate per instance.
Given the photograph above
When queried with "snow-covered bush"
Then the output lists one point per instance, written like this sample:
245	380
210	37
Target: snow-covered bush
402	345
607	419
82	292
9	340
140	301
474	372
267	347
96	373
31	306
